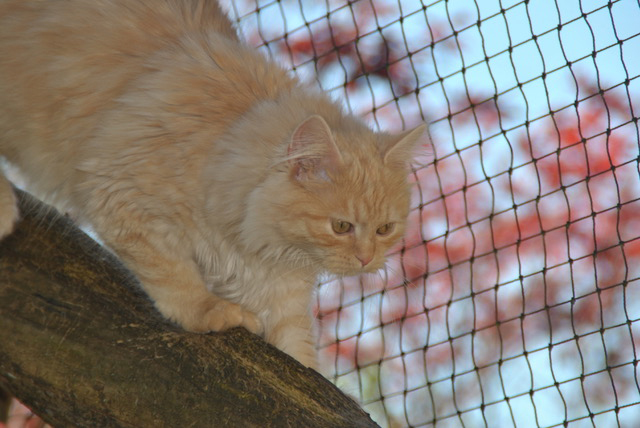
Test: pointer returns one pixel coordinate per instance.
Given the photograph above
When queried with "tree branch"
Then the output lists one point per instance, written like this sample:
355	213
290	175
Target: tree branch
82	346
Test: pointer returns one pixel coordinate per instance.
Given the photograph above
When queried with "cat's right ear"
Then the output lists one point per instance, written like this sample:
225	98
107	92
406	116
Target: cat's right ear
312	151
401	148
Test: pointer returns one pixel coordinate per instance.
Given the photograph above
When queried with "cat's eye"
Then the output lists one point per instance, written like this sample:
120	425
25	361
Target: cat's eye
385	229
341	227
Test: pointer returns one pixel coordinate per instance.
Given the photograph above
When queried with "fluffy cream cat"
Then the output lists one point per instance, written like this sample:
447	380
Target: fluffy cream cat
224	184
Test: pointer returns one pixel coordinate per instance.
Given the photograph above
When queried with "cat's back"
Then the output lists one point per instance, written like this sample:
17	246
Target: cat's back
62	63
64	50
100	26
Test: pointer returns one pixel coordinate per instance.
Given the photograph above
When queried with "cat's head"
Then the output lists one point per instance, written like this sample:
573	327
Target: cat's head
346	196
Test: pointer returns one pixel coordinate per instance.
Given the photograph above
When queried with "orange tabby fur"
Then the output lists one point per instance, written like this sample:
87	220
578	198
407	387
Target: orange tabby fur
210	172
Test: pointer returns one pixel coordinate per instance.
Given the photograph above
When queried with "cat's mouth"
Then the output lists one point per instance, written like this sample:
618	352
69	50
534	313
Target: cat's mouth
344	269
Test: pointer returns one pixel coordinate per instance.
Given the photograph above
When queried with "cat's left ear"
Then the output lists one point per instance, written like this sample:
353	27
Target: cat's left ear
312	151
401	149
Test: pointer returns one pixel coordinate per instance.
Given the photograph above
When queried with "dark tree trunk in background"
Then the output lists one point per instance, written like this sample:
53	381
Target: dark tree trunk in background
82	346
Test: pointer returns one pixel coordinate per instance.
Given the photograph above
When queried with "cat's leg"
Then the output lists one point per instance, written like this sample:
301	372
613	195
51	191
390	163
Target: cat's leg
8	207
174	283
290	327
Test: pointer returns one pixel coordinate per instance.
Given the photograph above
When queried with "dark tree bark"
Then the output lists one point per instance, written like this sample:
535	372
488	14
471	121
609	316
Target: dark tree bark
82	346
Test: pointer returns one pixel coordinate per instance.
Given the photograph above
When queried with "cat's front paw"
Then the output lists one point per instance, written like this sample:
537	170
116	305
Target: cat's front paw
307	359
302	350
8	209
223	315
209	313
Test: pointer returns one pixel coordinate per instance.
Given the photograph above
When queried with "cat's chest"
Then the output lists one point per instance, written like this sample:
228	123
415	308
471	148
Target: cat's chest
244	279
229	274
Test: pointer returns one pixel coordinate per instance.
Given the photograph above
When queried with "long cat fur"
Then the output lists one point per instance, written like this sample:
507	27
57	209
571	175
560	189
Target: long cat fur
213	174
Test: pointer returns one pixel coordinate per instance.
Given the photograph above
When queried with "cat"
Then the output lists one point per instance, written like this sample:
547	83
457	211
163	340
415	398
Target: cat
225	184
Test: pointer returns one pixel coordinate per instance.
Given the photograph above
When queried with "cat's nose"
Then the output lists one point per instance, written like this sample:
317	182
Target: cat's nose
364	260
